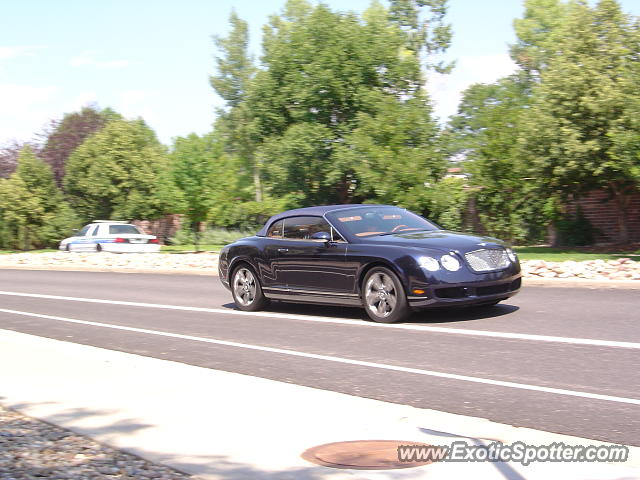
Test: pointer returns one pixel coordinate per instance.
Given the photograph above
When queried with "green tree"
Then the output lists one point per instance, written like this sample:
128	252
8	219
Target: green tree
120	172
194	173
538	33
327	79
234	124
584	106
32	209
67	134
485	133
393	154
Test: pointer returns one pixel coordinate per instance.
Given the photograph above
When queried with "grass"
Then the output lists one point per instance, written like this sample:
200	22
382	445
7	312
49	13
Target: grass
551	254
548	254
189	248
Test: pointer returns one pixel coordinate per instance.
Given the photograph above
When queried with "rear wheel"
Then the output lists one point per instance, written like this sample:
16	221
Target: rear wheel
98	248
383	296
246	290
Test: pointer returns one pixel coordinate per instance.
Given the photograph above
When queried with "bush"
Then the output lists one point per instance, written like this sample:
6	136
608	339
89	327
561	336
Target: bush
214	236
575	230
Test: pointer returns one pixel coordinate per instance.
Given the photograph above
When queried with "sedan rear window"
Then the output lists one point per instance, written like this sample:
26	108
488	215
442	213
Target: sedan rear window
123	230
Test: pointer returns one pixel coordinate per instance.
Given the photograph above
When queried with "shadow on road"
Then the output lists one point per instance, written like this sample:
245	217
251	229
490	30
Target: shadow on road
425	317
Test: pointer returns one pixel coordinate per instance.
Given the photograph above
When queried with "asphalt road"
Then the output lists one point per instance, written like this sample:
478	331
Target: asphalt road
564	360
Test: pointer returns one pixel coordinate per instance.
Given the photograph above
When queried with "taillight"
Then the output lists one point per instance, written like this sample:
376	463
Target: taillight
153	240
121	240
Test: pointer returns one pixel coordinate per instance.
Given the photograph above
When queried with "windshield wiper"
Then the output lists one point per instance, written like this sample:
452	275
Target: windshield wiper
405	231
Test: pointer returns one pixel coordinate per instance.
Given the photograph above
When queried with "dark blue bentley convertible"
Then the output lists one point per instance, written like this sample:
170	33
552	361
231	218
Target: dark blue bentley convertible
383	258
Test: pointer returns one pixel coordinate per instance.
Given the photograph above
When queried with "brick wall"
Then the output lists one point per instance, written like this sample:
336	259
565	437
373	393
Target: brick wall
603	214
164	228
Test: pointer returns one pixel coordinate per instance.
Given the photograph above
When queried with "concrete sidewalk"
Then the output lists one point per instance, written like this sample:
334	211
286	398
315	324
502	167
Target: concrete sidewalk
220	425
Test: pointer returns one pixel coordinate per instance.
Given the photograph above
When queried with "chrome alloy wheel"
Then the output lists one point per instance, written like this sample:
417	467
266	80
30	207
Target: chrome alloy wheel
244	286
380	294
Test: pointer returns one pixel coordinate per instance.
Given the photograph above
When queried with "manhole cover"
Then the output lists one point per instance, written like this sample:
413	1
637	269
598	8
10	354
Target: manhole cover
363	454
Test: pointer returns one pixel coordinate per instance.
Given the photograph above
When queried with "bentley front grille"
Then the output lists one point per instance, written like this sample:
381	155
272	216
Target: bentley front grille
487	260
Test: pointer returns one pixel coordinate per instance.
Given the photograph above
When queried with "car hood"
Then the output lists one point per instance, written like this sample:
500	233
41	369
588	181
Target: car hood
441	240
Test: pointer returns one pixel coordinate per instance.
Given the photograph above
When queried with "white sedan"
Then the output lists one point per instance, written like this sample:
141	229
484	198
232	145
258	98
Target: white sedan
116	237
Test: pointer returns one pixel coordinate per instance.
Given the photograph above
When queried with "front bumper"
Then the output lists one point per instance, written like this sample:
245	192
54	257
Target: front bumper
468	293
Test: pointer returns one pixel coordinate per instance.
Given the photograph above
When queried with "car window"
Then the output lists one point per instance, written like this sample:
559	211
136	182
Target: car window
368	221
94	231
123	230
335	236
275	230
302	228
84	231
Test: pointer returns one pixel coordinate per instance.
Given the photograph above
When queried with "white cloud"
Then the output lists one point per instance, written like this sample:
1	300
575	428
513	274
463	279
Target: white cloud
7	53
446	90
26	108
139	103
86	59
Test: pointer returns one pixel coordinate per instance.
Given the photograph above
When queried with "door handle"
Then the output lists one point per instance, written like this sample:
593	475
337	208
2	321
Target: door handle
283	250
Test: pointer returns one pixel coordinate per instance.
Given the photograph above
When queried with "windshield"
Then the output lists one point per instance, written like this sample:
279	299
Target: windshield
123	230
368	221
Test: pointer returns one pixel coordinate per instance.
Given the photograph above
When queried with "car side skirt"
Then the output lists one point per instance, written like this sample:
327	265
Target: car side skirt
309	296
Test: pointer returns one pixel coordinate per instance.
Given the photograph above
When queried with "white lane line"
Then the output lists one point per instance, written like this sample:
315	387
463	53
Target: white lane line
329	358
344	321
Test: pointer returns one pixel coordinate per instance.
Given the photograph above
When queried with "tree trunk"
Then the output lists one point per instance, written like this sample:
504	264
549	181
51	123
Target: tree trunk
552	235
196	236
257	184
621	197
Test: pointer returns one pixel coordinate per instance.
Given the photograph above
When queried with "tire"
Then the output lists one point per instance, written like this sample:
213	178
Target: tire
98	248
247	290
67	248
383	297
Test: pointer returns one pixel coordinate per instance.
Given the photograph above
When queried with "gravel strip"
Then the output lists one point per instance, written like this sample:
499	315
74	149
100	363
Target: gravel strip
32	449
207	263
160	262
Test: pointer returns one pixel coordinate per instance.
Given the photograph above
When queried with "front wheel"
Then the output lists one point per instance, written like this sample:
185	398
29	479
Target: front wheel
246	290
383	296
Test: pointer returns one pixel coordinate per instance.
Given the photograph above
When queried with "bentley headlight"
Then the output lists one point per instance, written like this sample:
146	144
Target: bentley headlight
512	255
450	262
429	263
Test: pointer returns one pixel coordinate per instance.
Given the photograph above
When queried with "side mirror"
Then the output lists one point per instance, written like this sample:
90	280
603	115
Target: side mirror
324	236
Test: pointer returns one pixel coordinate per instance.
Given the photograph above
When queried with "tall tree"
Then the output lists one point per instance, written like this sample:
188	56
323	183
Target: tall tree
32	209
537	34
9	154
67	134
582	100
325	76
485	132
193	170
234	71
120	172
431	35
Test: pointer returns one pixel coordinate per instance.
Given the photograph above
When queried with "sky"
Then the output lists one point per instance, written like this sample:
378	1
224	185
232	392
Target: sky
153	58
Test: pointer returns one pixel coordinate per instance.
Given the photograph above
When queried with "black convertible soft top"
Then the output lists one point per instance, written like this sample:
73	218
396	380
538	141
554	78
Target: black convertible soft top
312	211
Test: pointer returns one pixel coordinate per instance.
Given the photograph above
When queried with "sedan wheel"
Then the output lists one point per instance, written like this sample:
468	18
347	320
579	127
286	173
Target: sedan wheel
383	296
246	290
